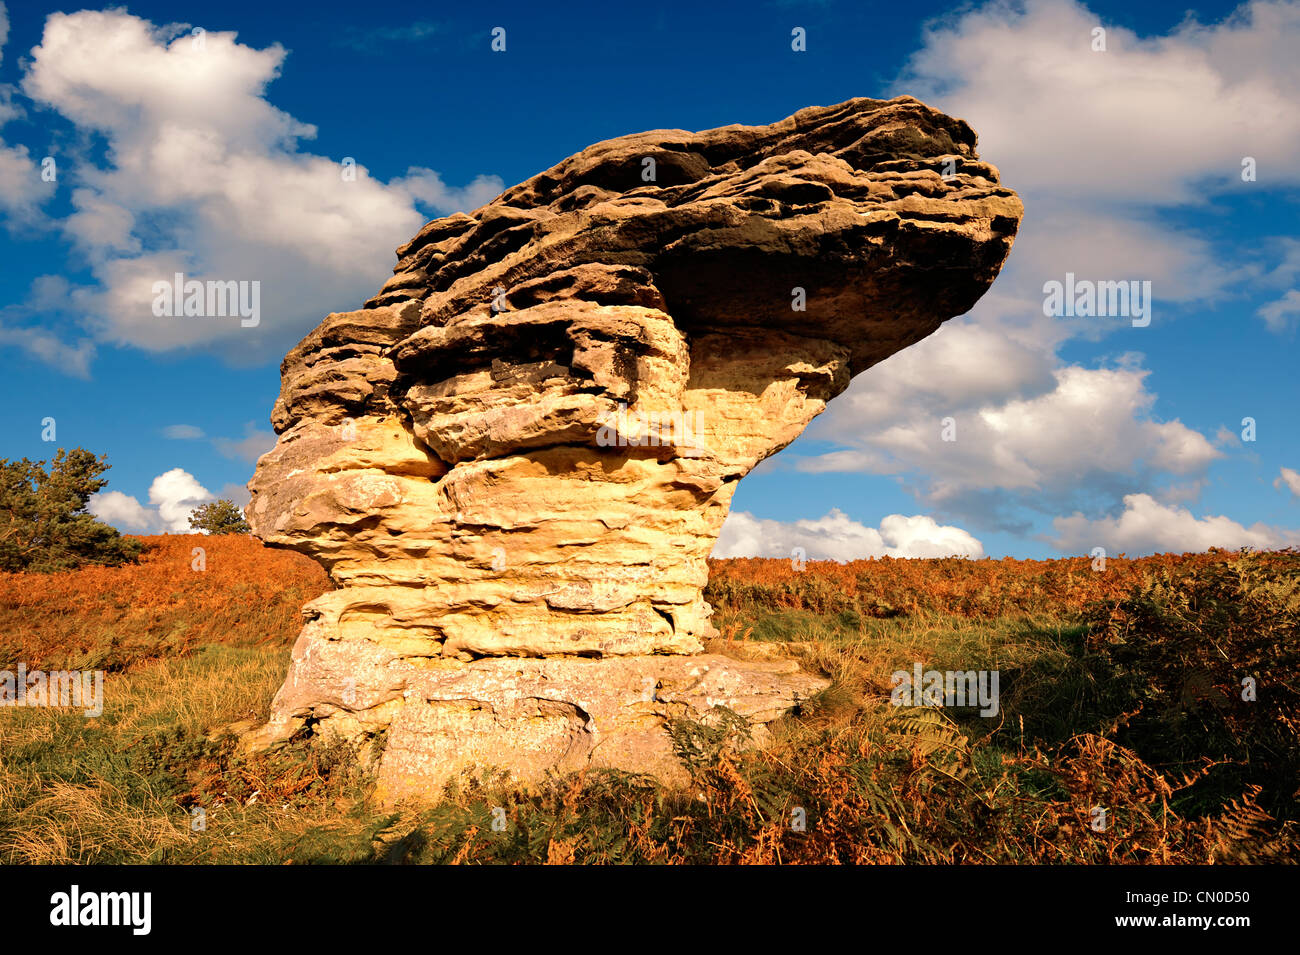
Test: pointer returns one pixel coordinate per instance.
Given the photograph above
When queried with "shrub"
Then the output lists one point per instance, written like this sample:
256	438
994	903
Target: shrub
1204	666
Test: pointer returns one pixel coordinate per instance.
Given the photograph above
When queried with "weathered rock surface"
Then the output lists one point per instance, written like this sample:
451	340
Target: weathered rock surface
516	458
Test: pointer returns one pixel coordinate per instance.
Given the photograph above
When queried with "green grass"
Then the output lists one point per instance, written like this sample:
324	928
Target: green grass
120	788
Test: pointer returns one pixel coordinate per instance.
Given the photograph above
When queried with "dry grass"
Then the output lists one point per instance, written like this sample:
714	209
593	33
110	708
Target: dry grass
189	652
113	617
888	587
83	823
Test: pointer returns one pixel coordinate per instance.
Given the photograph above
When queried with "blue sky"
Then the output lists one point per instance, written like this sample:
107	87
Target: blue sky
1072	433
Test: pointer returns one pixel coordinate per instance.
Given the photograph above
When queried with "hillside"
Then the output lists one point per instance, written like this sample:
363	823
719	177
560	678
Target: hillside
1119	690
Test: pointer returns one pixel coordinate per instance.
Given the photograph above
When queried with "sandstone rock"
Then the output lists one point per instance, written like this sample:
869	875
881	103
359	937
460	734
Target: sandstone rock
515	460
530	715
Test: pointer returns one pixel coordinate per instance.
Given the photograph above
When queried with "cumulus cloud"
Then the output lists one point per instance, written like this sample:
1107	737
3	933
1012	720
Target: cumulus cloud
22	189
173	495
838	537
1150	120
964	364
1282	314
1290	479
427	186
1146	527
1156	125
1090	431
123	512
207	178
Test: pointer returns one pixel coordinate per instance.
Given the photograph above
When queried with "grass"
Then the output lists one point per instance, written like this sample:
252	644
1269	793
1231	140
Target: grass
1093	715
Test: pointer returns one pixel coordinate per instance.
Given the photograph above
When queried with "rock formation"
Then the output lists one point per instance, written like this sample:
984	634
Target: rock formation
515	460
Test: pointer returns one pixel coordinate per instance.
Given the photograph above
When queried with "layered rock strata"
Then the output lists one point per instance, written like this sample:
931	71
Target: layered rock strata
515	459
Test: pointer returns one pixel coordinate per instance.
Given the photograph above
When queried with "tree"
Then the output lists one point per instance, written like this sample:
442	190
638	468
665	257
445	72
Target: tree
44	525
219	517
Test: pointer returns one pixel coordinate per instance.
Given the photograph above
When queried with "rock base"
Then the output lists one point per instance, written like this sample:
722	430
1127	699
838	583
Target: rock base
435	718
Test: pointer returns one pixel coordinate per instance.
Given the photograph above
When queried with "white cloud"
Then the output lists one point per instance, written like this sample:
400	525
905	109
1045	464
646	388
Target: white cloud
1149	121
837	537
58	345
207	178
1290	479
237	494
73	358
1288	265
182	432
1226	436
1099	244
965	363
1087	425
382	39
122	511
1187	493
250	447
427	186
1147	527
1154	126
1281	314
173	495
21	188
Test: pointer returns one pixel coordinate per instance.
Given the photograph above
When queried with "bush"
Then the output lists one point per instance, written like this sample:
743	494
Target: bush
1204	666
44	525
